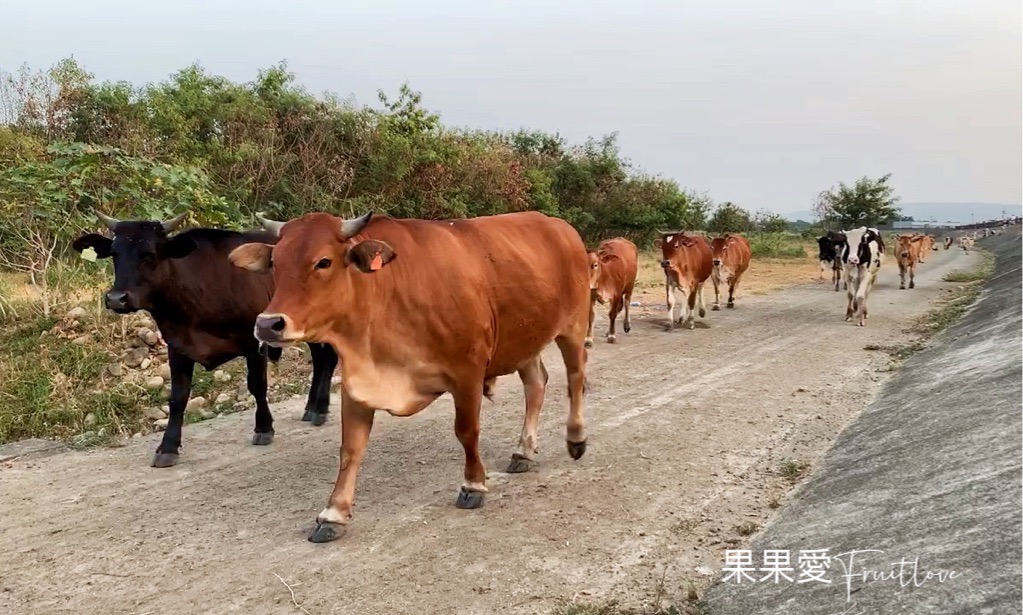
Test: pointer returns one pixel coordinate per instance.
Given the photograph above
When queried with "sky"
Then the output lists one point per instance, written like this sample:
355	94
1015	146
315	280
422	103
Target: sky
757	102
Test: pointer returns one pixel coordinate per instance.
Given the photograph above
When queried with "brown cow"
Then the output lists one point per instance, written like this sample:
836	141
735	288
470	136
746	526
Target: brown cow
613	268
907	253
926	245
730	256
418	308
686	263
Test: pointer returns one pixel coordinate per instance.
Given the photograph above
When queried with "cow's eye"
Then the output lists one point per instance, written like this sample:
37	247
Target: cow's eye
323	263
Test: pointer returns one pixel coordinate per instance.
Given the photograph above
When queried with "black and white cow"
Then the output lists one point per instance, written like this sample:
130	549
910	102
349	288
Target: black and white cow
831	247
863	255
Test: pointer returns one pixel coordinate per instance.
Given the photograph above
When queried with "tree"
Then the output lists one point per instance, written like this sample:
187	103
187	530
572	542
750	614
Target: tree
729	218
770	222
868	202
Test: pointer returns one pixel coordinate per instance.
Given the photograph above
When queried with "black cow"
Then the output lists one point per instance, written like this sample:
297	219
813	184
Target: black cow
205	308
831	247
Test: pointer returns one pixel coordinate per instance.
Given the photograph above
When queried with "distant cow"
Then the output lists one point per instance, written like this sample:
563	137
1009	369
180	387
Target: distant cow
949	240
967	243
863	255
907	254
830	248
730	257
613	268
927	244
686	261
205	310
420	308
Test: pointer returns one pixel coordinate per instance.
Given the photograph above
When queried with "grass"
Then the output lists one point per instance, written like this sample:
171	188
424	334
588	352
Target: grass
687	607
793	469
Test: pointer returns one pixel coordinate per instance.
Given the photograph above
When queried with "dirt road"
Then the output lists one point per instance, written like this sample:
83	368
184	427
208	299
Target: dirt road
687	431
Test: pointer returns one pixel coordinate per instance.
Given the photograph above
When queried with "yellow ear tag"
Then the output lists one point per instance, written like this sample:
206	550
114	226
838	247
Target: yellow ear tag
89	254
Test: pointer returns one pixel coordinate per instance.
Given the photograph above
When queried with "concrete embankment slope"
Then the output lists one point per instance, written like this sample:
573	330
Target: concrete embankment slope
928	479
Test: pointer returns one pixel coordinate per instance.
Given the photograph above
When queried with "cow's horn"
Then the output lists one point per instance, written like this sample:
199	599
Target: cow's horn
175	222
110	222
272	226
351	228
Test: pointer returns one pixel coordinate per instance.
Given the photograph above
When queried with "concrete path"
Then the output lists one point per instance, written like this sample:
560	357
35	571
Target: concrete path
926	483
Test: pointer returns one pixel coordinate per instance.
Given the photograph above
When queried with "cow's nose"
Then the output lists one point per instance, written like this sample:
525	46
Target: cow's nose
716	262
117	300
269	327
665	264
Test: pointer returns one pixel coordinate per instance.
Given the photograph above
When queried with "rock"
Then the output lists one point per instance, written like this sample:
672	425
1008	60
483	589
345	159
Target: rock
76	313
335	379
242	395
162	351
165	409
207	414
115	370
222	376
137	434
81	340
154	382
163	371
160	424
151	338
195	404
223	398
145	363
90	419
154	414
135	357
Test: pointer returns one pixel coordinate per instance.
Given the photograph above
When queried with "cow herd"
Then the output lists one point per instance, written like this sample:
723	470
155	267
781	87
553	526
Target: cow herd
413	309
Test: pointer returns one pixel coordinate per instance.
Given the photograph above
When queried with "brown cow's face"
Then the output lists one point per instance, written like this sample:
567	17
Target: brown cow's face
719	250
312	264
600	285
904	245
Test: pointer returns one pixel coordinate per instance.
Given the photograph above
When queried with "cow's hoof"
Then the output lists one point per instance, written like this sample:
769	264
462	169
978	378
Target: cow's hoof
325	531
627	326
164	460
611	339
308	416
730	305
588	343
902	287
912	285
576	449
468	500
715	307
319	418
703	313
262	439
519	464
691	325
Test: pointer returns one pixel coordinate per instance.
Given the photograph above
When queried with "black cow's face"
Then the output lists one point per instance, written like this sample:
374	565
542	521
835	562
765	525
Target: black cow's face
142	252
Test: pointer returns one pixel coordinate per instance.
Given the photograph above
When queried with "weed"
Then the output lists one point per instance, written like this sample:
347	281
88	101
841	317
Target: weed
793	469
746	528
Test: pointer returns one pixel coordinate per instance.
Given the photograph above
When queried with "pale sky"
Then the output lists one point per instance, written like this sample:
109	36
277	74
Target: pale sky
761	103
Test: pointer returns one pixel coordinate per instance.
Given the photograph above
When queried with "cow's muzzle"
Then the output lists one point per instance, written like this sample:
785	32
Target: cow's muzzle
716	262
665	264
120	301
270	327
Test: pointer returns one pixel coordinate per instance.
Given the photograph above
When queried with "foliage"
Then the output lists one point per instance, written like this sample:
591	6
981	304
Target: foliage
868	202
776	245
730	218
770	222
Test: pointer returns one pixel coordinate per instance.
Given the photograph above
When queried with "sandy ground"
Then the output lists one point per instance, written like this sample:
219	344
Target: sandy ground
687	432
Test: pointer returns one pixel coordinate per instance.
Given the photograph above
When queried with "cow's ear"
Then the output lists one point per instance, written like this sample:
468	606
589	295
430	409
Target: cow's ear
179	246
252	256
658	243
606	258
100	244
370	255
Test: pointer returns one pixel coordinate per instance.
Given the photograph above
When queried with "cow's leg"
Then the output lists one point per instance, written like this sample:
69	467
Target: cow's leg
467	430
851	306
627	299
699	299
717	293
256	364
731	292
902	276
669	291
912	276
616	308
574	356
690	309
356	424
318	404
593	316
821	279
181	387
534	382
